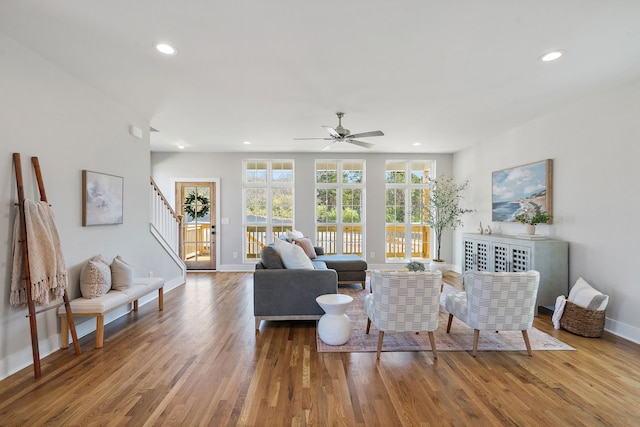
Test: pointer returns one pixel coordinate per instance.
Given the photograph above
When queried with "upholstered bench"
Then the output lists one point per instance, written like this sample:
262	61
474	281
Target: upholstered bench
98	307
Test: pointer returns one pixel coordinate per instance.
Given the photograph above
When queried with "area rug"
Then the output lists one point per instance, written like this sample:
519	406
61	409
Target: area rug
459	339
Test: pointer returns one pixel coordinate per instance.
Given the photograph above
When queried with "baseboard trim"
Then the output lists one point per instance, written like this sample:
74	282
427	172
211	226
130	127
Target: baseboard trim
622	330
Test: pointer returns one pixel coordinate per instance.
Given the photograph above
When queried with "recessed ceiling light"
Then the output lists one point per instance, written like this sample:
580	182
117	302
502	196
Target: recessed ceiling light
166	49
551	56
417	143
246	142
181	147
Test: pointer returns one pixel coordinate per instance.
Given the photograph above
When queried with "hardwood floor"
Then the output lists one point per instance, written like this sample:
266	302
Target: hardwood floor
200	362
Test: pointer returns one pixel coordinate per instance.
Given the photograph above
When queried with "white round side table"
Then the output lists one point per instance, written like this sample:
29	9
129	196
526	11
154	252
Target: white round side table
334	327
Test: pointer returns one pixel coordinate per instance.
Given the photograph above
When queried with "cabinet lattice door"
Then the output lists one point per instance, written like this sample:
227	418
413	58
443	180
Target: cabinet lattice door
476	255
510	258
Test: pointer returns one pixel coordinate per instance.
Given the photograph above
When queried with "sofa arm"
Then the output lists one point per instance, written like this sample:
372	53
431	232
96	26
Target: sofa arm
283	292
319	250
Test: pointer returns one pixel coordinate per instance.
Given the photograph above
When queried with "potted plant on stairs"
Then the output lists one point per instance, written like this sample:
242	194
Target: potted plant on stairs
444	212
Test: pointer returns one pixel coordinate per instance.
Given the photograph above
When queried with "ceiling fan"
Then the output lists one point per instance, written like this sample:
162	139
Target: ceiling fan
340	134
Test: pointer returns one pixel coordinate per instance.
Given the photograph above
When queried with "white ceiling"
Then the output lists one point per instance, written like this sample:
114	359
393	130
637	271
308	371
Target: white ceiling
447	74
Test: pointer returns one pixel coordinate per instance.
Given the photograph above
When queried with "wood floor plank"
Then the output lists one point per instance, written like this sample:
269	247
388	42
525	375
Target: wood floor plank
201	362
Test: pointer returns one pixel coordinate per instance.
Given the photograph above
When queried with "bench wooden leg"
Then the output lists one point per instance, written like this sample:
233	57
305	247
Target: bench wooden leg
64	331
160	299
135	305
100	330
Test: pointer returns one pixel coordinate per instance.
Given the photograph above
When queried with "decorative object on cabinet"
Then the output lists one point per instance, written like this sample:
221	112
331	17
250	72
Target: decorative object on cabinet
415	266
531	215
101	198
444	207
511	254
515	189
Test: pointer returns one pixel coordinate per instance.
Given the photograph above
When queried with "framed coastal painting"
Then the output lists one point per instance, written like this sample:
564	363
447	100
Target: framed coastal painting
515	188
101	198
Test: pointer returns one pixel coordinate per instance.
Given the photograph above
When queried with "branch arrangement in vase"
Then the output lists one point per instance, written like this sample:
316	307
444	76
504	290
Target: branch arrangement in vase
444	207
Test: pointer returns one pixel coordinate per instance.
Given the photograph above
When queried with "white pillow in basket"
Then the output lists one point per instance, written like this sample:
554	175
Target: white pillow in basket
584	295
293	256
95	277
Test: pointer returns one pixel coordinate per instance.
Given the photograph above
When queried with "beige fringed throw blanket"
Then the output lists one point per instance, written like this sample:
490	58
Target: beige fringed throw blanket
47	268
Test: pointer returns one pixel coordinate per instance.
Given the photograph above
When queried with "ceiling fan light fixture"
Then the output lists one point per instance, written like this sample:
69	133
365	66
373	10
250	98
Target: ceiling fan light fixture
551	56
339	135
165	48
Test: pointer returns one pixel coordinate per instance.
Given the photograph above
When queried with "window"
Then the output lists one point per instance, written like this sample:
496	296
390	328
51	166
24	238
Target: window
340	206
268	203
407	202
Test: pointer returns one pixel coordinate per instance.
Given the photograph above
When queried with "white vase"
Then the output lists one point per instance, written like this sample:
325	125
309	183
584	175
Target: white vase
438	266
531	229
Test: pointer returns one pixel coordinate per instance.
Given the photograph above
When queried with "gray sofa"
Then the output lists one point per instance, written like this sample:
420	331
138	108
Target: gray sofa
288	294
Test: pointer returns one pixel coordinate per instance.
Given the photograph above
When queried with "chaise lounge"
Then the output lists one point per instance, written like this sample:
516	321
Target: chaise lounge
350	268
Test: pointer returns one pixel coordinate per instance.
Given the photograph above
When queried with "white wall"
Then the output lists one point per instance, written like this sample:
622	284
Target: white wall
47	113
595	146
167	167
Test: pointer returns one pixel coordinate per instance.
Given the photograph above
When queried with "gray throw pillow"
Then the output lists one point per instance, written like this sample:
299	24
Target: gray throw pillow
270	258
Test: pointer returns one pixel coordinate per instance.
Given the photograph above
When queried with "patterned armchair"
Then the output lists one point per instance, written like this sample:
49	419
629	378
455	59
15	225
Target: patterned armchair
495	302
403	301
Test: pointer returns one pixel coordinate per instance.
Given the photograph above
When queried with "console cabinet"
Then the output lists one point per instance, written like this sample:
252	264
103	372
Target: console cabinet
492	252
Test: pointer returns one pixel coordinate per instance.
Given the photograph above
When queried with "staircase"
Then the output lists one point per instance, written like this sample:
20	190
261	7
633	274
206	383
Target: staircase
166	226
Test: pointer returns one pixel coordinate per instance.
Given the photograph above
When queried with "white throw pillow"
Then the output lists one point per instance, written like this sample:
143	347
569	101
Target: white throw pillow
294	234
95	278
293	257
121	274
583	294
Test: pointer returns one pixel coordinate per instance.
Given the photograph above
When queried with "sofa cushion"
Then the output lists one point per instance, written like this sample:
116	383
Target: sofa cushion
293	257
344	262
319	265
270	258
121	274
307	246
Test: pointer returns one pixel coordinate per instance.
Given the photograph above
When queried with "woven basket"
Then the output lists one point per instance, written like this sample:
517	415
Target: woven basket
582	321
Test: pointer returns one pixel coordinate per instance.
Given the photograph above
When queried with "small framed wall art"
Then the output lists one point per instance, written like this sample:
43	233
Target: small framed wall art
519	187
102	198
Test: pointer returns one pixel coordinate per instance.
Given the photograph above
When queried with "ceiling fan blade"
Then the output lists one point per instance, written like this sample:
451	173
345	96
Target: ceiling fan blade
328	146
332	131
367	134
360	143
308	139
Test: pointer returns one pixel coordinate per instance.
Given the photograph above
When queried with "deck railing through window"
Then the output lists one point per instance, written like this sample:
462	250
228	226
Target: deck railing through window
257	238
327	238
396	241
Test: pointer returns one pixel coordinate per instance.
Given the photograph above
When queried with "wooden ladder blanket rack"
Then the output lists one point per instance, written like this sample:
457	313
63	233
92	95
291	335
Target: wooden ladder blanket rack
27	272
